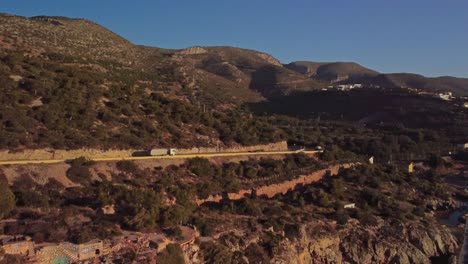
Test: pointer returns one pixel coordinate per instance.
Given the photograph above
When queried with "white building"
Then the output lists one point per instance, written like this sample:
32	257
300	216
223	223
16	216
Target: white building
463	146
445	96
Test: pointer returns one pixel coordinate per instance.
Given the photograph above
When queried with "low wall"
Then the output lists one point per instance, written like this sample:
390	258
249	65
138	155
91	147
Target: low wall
278	146
278	188
50	154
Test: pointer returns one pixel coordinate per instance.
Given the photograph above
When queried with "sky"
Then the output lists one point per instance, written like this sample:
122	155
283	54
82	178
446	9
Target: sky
428	37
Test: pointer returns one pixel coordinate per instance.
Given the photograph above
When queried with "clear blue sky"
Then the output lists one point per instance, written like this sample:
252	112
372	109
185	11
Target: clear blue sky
429	37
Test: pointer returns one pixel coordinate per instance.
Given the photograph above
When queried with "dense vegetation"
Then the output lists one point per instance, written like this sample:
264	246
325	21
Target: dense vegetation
140	197
118	95
7	200
387	124
51	102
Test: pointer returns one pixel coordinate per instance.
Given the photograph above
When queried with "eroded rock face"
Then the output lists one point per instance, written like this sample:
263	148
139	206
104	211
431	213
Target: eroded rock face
414	243
193	51
270	59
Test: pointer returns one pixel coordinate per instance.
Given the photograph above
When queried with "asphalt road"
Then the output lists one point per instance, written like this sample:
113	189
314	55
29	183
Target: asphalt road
183	156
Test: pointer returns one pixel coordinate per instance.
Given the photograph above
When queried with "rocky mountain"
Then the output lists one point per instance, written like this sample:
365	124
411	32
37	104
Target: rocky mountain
236	74
458	86
246	75
242	68
367	245
56	69
330	71
75	37
350	72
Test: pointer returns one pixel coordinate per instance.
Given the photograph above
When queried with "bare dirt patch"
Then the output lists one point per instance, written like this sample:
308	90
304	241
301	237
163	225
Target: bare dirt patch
40	173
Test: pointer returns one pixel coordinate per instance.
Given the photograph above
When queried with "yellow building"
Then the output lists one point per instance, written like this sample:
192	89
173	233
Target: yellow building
17	245
411	167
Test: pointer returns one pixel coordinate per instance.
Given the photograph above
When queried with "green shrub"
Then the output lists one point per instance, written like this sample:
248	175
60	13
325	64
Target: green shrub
79	171
127	166
172	254
7	200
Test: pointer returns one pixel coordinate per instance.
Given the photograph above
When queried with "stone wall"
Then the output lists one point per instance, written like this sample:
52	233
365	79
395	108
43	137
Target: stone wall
50	154
279	146
279	188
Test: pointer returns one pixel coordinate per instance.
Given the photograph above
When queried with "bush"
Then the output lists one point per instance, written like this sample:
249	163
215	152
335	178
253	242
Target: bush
256	254
127	166
7	200
79	171
205	227
341	217
31	199
172	254
201	167
215	253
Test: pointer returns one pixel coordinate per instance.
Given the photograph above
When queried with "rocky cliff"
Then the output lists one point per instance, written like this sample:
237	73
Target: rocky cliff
384	243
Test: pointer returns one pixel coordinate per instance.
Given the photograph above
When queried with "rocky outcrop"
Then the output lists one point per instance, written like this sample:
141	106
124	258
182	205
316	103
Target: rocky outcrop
413	243
270	59
193	51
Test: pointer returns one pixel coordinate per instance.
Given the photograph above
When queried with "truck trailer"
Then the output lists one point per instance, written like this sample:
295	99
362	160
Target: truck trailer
162	152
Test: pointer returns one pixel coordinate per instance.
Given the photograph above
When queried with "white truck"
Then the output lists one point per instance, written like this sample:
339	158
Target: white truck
162	152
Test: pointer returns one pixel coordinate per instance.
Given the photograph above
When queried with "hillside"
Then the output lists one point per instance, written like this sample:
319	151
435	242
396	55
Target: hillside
75	37
242	69
349	72
458	86
330	72
234	74
71	83
77	100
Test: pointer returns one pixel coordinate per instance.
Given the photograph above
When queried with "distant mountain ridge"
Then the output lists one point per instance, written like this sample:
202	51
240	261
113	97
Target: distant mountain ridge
350	72
331	71
241	74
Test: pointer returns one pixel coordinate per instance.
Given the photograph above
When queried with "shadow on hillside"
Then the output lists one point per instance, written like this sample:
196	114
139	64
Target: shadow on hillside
366	106
265	80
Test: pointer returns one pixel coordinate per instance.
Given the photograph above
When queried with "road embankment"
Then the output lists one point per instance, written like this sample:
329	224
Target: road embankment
54	156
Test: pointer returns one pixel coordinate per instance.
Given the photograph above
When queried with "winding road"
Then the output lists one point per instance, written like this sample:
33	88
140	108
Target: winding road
182	156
